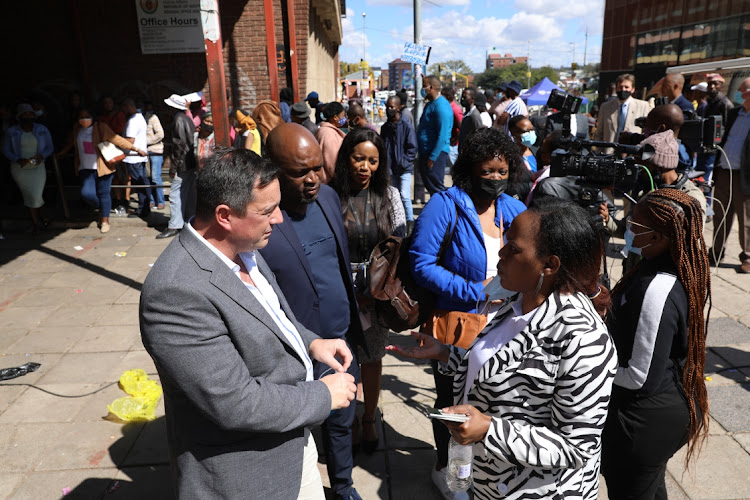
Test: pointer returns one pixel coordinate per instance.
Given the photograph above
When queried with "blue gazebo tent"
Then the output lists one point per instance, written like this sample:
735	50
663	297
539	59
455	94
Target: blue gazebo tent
539	93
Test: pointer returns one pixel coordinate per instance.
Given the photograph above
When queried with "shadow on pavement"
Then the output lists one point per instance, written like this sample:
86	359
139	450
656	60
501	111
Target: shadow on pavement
140	455
92	267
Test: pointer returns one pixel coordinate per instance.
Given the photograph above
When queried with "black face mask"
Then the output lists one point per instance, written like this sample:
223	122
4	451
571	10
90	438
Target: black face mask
207	128
26	121
390	113
490	189
623	94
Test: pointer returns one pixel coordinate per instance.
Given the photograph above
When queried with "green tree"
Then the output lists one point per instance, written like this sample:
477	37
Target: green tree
539	74
494	76
447	67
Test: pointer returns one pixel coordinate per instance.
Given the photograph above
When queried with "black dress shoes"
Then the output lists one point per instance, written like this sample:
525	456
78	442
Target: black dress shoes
168	233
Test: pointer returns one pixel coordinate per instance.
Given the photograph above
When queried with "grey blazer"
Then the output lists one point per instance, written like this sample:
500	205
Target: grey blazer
235	392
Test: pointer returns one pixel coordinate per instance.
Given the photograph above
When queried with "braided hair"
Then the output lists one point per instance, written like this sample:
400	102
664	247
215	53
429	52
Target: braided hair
678	216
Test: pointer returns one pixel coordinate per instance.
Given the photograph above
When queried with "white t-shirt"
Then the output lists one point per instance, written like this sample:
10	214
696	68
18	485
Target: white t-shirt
137	128
86	149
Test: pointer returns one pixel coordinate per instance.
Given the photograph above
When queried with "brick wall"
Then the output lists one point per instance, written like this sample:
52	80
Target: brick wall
47	59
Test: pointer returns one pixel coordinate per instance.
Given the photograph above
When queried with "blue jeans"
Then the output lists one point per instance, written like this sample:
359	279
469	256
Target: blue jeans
138	177
403	184
433	177
454	153
705	163
156	195
182	199
95	190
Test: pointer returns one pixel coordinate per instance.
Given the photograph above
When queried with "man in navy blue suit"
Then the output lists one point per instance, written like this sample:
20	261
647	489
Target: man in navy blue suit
305	251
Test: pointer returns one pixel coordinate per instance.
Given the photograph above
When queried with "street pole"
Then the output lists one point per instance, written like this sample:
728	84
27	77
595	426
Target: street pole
585	46
528	65
215	64
418	101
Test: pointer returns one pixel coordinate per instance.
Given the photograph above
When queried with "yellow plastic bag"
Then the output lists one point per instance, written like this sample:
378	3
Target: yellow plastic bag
144	396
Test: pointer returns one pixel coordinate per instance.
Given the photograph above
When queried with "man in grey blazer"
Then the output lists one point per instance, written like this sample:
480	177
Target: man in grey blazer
234	362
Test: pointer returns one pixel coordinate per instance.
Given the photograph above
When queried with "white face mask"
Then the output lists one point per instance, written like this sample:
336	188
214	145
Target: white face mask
629	237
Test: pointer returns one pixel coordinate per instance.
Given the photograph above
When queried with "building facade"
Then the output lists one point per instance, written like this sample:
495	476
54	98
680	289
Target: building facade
400	75
95	48
503	61
644	37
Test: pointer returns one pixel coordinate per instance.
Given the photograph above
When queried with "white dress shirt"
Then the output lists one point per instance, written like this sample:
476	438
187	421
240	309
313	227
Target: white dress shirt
265	294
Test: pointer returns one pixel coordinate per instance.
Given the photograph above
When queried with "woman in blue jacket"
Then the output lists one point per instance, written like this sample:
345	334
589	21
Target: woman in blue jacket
26	145
478	212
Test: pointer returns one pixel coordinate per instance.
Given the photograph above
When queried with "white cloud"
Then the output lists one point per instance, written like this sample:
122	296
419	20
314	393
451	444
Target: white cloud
586	9
426	4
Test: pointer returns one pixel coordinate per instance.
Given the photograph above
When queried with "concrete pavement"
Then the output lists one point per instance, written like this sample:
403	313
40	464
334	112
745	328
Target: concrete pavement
69	302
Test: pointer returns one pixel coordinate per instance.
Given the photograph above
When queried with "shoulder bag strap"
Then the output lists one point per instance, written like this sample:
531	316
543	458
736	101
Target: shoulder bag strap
448	235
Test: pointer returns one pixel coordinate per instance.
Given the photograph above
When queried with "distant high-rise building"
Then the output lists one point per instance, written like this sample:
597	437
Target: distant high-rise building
400	75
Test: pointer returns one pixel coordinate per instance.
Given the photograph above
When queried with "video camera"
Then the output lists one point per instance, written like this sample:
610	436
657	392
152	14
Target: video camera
700	135
600	171
564	102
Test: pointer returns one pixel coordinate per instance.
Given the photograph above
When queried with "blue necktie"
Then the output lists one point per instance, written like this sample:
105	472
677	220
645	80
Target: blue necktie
620	122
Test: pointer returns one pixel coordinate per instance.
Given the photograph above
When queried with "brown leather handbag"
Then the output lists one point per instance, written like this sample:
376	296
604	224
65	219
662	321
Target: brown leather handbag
455	327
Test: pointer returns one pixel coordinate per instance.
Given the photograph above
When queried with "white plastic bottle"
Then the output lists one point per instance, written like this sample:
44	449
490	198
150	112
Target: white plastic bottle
459	466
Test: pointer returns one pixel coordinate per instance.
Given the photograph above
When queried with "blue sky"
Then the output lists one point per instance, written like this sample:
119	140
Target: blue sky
467	29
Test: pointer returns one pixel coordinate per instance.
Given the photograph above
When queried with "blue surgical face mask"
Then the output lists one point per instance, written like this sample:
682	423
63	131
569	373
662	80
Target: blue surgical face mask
528	139
629	237
423	93
342	122
495	290
738	97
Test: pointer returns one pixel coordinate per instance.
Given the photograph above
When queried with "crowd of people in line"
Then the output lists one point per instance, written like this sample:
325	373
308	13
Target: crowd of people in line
565	379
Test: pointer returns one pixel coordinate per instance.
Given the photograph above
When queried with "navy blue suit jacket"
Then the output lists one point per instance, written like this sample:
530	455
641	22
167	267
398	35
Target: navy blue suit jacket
286	258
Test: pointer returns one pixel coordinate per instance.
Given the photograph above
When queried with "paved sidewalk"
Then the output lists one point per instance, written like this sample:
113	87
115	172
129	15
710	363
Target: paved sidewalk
69	302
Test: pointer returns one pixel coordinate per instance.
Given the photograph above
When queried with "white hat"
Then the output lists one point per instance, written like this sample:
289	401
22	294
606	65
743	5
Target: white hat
702	86
177	101
193	97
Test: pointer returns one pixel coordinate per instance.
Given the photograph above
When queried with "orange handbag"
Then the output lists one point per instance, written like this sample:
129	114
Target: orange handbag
455	327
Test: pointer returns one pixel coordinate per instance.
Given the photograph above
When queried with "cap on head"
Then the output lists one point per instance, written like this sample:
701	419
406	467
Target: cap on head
515	86
312	95
701	87
177	102
23	108
715	76
299	110
666	149
480	99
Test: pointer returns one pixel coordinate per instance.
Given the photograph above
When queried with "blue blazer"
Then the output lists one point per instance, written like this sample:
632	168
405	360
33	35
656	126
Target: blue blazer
286	258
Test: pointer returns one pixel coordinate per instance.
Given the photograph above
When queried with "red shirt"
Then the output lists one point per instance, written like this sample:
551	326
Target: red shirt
458	116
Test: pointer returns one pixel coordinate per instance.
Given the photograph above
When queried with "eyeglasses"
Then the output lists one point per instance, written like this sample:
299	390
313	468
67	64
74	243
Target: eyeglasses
629	223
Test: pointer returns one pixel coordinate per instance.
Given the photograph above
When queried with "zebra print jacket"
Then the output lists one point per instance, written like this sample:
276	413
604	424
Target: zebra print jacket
547	390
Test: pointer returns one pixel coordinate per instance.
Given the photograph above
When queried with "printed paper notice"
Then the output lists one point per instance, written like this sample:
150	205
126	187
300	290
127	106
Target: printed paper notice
170	26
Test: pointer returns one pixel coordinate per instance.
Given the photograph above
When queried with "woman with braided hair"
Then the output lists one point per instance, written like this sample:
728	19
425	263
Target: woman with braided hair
659	399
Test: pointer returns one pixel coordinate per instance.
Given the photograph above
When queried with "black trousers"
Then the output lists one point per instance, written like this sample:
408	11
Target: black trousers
640	436
444	390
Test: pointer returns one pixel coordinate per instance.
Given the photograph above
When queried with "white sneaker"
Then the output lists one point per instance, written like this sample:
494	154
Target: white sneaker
441	481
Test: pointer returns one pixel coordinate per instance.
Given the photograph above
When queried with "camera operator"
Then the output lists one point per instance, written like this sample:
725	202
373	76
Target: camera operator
662	167
660	119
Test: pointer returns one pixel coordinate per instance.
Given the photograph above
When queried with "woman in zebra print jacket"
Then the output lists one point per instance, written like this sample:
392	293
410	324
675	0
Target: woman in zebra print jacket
536	382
